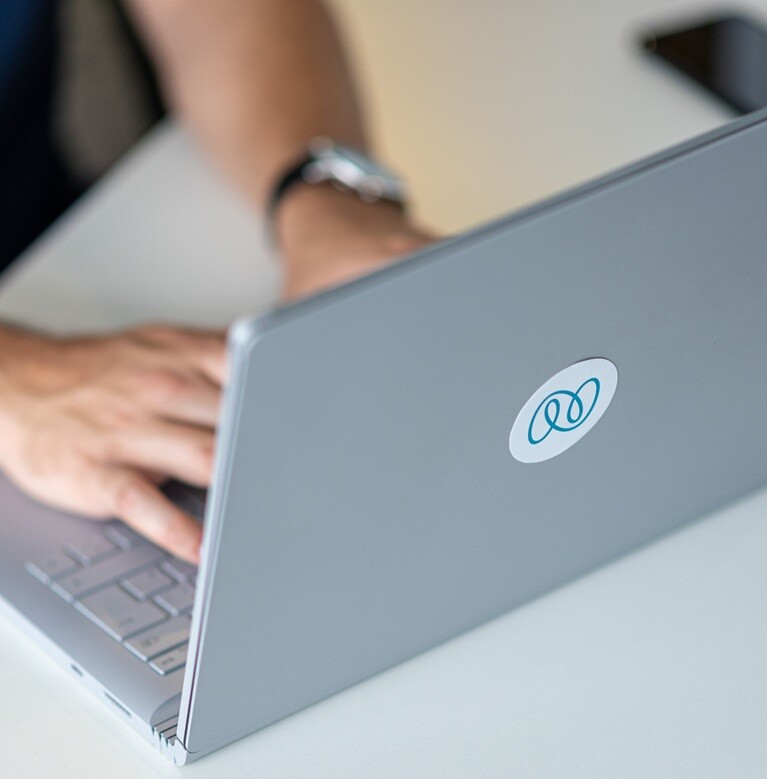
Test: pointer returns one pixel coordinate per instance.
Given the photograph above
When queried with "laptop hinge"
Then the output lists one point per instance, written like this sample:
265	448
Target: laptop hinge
165	735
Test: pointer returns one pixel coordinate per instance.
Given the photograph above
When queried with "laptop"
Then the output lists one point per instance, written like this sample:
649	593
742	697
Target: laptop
409	455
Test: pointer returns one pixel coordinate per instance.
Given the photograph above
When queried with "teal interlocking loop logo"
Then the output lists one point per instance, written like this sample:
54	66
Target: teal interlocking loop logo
563	410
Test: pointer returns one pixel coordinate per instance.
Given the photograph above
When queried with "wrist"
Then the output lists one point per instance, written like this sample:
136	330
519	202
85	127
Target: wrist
327	237
15	347
30	360
320	225
314	211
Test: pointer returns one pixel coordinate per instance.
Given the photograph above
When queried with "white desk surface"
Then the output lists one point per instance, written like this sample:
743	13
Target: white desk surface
653	666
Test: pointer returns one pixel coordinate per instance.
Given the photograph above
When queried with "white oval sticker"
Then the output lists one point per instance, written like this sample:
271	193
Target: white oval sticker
563	410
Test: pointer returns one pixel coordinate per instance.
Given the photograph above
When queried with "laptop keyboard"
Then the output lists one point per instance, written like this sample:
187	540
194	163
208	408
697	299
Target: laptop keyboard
135	592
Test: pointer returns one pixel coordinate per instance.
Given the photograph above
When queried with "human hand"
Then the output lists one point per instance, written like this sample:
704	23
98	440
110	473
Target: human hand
94	425
327	237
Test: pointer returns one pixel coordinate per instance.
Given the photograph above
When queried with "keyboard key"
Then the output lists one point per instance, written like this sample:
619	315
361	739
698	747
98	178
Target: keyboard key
147	582
179	569
122	535
160	639
170	661
52	566
177	600
91	547
118	613
81	582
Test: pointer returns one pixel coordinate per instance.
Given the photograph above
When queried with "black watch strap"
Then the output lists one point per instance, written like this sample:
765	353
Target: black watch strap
293	176
309	169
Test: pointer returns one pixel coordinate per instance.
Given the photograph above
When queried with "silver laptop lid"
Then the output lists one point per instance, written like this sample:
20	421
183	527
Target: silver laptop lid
367	505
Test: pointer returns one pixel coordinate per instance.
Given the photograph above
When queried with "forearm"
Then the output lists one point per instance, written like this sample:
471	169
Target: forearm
14	362
255	80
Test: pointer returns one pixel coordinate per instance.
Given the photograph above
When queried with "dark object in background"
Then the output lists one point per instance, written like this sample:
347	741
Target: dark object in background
76	91
727	55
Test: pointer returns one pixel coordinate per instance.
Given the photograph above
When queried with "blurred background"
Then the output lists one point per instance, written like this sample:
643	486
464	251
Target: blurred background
483	106
491	104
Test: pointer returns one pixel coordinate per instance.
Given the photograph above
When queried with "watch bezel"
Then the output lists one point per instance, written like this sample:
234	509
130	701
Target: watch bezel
352	170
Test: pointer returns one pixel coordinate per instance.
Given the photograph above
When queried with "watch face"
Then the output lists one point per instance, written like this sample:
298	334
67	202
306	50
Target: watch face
369	166
356	171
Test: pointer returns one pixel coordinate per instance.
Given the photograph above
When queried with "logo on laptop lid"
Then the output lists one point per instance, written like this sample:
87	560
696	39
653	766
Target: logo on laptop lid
563	410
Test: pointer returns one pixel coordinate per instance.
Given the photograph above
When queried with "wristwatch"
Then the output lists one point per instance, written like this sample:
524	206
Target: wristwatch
347	169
